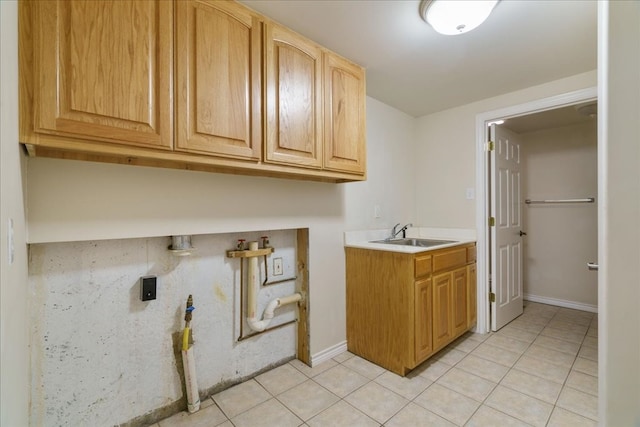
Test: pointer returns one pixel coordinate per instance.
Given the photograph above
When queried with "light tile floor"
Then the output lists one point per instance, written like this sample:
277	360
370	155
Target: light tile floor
539	370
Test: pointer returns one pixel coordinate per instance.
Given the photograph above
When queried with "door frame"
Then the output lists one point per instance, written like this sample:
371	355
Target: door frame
482	182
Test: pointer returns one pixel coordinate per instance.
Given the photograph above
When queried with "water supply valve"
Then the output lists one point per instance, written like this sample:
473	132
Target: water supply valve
265	242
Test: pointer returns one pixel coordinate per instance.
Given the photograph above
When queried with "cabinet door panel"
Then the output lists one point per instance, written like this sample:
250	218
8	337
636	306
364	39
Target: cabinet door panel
218	76
344	116
442	316
471	296
459	301
423	328
294	98
103	70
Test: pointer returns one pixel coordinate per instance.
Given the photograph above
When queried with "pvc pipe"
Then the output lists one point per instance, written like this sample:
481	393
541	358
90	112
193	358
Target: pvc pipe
252	300
252	283
261	325
191	382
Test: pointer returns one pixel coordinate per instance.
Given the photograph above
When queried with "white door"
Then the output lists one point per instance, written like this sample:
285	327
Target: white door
506	241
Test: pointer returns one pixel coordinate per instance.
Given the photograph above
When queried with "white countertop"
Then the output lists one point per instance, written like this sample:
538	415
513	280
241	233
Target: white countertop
363	239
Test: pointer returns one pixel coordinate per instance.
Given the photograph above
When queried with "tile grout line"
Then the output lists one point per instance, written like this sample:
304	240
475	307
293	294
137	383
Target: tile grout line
564	317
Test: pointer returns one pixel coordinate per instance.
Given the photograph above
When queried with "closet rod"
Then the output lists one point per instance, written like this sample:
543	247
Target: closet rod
587	200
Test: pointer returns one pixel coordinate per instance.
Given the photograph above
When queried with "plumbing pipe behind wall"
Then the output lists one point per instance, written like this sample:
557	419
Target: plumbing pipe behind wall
252	300
261	325
252	284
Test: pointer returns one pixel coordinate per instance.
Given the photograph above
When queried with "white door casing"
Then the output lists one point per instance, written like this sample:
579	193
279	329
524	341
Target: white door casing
506	206
483	204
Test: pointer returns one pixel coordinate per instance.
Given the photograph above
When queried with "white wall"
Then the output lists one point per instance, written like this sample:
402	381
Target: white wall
445	153
70	201
97	347
619	231
391	172
561	163
14	351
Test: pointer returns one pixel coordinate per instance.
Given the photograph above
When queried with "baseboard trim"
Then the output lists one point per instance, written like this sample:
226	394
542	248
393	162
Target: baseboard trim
328	353
562	303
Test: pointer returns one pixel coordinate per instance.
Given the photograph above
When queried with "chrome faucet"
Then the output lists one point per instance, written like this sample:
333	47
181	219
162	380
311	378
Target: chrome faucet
403	230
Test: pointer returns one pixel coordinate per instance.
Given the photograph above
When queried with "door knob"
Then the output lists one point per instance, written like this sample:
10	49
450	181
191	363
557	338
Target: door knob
522	233
592	266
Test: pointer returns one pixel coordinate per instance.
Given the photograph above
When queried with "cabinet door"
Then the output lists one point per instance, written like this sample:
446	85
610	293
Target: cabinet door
472	308
218	103
103	70
344	116
423	328
460	304
442	315
293	98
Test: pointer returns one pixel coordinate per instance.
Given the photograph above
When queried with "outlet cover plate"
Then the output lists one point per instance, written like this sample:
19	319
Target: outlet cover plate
148	288
277	266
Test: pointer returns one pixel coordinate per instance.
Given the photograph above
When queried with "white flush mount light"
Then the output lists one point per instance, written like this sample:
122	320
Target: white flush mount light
451	17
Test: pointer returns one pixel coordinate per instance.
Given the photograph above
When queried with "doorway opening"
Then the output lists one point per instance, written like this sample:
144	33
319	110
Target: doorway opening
488	255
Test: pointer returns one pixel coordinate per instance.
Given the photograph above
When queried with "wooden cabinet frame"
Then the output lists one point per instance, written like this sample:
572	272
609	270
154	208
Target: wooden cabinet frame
63	121
402	308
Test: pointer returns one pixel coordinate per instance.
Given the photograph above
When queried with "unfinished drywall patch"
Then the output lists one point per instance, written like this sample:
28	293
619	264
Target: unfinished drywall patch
101	356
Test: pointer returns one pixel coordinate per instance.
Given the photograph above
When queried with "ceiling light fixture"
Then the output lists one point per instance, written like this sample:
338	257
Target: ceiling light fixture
451	17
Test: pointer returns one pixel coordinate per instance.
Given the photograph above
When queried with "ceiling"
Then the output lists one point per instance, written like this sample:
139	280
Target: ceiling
418	71
550	119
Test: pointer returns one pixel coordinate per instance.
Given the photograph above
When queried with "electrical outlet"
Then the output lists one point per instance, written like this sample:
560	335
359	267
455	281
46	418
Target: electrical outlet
277	266
470	194
148	288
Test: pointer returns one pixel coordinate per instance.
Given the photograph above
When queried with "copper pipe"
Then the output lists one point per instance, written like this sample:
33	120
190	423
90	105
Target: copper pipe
241	338
275	282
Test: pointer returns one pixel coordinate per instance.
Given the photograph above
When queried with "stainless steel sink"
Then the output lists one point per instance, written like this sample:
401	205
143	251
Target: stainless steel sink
423	243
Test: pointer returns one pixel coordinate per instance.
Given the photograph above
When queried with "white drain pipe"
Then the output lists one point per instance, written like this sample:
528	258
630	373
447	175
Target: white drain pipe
252	293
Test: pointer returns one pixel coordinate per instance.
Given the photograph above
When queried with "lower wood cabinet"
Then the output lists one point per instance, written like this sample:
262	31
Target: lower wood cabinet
402	308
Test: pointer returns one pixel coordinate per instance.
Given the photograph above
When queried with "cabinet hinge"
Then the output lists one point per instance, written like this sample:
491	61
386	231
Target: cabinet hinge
492	297
492	221
490	146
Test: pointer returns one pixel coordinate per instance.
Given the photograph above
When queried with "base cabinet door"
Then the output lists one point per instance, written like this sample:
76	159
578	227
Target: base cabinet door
459	287
472	296
442	315
102	70
423	327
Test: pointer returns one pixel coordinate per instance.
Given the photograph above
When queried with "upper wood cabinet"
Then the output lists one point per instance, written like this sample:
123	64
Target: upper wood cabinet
102	70
293	73
344	115
218	79
206	85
